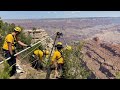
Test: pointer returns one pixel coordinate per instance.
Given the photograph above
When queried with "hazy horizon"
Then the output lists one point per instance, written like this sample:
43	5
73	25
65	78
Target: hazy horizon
56	14
59	18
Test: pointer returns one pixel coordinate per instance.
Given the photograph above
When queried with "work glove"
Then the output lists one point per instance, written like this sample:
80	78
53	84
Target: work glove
29	45
12	56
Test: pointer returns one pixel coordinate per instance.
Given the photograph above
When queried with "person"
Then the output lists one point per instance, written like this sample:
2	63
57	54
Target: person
57	59
38	56
68	47
9	48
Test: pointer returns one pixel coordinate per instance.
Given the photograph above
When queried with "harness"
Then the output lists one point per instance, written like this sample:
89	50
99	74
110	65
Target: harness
60	56
14	42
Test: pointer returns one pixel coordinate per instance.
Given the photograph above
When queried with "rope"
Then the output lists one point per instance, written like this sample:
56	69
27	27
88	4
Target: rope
28	53
31	51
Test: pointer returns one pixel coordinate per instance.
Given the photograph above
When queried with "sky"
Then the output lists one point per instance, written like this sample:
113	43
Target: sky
56	14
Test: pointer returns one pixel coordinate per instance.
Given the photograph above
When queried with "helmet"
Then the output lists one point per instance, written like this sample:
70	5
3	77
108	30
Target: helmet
59	43
46	52
68	47
18	29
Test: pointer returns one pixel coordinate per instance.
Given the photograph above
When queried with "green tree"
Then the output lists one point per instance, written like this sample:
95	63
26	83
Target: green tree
7	28
73	68
5	72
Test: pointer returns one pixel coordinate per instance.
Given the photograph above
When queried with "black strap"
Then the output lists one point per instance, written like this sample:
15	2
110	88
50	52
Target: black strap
61	55
14	44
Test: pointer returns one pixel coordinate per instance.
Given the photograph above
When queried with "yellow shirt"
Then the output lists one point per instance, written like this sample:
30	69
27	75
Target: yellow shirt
39	53
8	38
57	56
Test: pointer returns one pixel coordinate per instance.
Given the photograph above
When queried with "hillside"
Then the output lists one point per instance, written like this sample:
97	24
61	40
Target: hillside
101	49
102	58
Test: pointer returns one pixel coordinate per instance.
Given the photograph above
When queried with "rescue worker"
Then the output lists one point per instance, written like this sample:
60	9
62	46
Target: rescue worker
68	48
39	56
9	47
57	59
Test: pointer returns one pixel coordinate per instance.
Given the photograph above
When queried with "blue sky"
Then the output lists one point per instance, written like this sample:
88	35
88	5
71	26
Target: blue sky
56	14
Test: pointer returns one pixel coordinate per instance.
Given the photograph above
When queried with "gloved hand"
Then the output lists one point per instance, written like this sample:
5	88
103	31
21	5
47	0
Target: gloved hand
29	45
12	56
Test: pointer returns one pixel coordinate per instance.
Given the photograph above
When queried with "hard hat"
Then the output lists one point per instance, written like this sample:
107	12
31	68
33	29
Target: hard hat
59	43
68	47
46	52
18	29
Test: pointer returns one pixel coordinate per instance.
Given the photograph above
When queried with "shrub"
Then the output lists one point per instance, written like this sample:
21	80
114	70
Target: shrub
5	72
117	75
73	68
